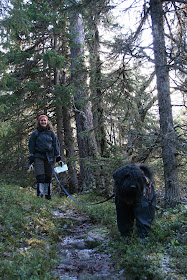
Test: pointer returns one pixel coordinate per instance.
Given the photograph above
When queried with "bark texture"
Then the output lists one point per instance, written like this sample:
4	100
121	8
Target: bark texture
168	139
64	132
83	113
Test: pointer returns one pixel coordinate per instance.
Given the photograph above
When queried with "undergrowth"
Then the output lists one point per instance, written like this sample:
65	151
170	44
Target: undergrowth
29	237
162	256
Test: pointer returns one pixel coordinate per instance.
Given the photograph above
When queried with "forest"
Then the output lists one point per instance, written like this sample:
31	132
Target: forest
111	77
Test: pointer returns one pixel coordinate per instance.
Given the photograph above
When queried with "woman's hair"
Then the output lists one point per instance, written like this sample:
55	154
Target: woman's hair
49	126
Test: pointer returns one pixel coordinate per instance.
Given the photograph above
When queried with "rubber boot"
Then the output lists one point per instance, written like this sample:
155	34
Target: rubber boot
48	187
40	189
37	190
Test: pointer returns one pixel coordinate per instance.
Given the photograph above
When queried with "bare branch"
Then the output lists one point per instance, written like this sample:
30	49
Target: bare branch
176	1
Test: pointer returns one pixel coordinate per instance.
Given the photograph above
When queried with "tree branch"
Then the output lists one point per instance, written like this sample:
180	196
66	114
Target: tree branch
176	1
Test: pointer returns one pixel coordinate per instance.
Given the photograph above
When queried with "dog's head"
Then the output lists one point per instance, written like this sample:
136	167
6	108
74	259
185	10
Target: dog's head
130	181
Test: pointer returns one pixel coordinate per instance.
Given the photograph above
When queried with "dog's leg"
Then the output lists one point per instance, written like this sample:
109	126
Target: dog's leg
125	218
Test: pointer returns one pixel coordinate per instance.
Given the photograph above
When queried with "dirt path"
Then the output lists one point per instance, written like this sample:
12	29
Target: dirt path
82	254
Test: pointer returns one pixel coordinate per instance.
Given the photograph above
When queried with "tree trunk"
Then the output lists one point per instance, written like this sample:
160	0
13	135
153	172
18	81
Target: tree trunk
95	85
69	146
83	114
64	132
168	140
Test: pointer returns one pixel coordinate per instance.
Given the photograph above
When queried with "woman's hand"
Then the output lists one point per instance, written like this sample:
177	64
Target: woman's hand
58	158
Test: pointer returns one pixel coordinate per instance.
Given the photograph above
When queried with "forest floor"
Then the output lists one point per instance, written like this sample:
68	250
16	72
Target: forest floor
63	240
82	250
86	251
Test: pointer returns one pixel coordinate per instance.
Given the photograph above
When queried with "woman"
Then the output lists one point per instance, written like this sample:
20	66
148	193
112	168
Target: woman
43	147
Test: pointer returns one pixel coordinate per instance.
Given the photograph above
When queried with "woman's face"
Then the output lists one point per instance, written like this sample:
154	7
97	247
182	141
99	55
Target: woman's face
43	122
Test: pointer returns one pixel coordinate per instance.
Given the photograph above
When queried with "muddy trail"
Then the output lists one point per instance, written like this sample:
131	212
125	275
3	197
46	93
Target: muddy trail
82	250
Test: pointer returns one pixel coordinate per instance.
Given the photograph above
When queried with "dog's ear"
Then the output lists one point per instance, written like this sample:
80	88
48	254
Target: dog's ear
121	173
146	170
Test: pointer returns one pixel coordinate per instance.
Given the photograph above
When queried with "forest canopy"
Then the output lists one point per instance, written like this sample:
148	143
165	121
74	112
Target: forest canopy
110	75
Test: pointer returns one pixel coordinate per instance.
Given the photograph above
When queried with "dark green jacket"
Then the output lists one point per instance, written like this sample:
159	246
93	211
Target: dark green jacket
42	142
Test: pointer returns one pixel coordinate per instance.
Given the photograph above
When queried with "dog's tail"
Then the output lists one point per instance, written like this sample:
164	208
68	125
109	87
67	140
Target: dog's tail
146	170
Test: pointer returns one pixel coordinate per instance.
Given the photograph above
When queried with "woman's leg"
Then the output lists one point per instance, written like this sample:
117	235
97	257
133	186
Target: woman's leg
48	179
40	176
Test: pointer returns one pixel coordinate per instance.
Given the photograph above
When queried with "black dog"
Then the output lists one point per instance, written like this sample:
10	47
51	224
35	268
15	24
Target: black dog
134	198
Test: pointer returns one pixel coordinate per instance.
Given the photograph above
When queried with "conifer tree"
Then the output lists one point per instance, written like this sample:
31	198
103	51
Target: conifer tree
168	138
101	105
94	14
82	107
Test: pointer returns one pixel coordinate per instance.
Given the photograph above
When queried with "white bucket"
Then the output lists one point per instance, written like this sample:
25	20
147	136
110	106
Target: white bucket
60	169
